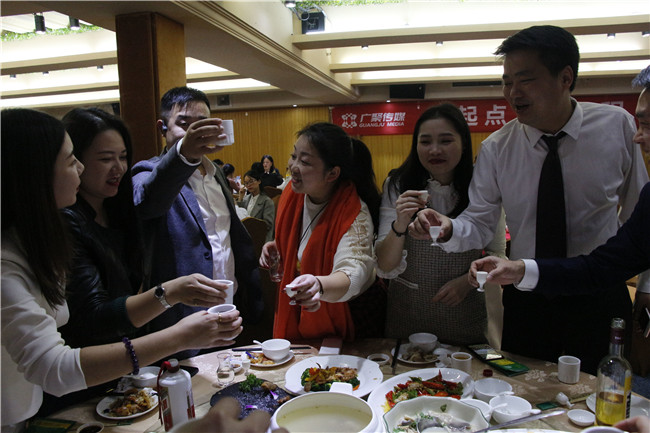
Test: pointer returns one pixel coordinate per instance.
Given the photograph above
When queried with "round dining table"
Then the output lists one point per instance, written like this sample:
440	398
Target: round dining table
539	384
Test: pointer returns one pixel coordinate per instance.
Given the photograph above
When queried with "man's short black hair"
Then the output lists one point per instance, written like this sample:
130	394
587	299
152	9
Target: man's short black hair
180	96
556	47
643	79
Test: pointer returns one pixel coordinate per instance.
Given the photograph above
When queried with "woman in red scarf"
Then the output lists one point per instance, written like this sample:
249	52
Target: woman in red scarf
324	234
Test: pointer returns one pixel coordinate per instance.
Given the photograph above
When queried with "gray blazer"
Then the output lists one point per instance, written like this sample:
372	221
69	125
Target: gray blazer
264	209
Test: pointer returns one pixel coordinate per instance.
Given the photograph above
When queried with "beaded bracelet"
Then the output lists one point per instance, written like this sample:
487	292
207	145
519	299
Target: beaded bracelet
131	352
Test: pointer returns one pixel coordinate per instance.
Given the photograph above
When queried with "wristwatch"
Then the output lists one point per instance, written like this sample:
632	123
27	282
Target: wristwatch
159	293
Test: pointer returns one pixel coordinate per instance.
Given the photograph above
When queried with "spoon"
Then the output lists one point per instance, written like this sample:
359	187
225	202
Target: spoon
481	277
257	342
434	231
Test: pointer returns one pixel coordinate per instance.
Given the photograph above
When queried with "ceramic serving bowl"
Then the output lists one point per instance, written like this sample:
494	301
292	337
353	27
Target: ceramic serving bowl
146	377
446	408
515	407
490	387
425	341
486	409
276	349
331	411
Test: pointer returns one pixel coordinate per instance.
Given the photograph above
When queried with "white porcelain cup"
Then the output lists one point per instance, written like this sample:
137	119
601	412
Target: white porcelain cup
462	361
568	369
229	131
222	308
230	291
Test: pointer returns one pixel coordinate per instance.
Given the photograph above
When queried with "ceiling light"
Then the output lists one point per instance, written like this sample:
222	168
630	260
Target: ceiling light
439	43
100	67
39	23
294	105
364	47
611	35
74	23
12	76
290	3
46	72
645	33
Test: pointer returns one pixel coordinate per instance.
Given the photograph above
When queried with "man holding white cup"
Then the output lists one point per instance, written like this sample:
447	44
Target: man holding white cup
189	217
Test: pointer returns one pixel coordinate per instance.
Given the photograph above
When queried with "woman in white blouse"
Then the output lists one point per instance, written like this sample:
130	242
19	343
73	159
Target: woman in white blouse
324	234
40	175
429	291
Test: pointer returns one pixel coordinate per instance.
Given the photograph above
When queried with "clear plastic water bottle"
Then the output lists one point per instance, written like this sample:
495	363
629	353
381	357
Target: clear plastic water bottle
175	394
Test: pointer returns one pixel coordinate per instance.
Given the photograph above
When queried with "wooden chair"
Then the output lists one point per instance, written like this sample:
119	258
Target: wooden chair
272	191
257	229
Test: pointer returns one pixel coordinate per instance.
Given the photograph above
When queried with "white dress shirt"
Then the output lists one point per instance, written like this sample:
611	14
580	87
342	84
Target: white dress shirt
216	217
602	169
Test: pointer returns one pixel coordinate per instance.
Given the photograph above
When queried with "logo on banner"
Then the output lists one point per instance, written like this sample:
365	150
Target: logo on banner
349	120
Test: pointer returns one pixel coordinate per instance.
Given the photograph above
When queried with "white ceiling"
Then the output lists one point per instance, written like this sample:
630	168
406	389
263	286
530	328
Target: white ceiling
254	50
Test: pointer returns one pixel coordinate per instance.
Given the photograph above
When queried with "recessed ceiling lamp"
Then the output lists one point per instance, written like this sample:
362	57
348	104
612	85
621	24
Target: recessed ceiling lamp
290	3
364	47
611	35
439	43
39	23
74	23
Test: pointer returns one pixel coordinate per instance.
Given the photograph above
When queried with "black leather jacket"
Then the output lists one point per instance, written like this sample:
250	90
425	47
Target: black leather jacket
99	281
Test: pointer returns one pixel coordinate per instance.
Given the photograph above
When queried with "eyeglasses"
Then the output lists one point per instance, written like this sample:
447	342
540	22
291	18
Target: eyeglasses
250	182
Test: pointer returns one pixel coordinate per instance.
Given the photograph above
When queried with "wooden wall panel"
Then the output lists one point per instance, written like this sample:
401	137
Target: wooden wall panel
261	132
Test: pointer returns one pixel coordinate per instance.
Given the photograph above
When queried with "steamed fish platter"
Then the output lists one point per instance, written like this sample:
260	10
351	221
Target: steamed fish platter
416	387
321	379
132	403
432	421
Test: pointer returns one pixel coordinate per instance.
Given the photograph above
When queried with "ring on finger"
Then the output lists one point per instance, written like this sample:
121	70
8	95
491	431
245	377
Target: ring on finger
218	317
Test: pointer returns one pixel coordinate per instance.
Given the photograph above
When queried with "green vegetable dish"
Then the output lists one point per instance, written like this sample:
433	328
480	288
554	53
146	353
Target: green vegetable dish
251	382
321	379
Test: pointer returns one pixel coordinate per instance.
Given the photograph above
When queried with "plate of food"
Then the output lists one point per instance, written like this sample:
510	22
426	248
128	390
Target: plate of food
437	382
258	360
638	405
253	393
319	372
412	354
433	414
135	402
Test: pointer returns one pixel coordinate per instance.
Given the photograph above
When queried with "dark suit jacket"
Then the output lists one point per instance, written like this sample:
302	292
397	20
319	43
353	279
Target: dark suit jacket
624	255
176	237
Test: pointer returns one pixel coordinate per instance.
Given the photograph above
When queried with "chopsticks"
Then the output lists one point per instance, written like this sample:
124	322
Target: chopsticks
393	364
257	349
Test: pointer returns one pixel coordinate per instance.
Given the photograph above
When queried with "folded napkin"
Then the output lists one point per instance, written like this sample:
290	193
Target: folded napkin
331	346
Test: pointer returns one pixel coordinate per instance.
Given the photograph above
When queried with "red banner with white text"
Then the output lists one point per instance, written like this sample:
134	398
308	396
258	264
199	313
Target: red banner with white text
482	115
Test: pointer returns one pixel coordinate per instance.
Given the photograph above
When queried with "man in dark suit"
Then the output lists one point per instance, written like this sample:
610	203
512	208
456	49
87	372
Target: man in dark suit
188	213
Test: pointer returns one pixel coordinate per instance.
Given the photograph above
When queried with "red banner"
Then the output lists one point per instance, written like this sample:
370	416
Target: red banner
482	115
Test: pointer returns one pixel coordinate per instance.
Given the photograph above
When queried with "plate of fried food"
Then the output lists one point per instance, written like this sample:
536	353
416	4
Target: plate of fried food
135	402
258	360
319	372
